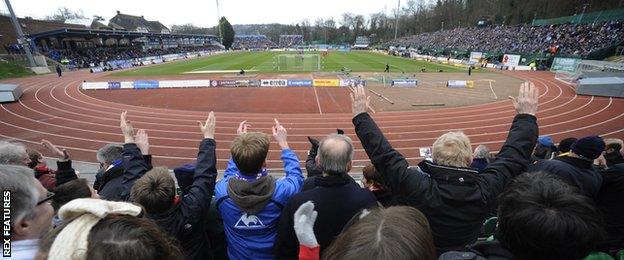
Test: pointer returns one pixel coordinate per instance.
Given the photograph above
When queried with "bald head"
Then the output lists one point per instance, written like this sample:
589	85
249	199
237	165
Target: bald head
335	154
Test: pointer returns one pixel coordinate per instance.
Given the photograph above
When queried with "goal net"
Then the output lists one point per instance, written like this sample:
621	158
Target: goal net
298	62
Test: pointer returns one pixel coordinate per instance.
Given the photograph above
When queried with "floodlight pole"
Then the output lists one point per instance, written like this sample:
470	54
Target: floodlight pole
396	20
218	24
21	40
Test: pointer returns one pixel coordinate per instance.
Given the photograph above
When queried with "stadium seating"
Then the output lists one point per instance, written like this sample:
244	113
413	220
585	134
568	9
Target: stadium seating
565	39
252	42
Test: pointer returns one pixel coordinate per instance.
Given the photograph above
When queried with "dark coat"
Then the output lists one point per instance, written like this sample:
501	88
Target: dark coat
609	201
479	164
575	171
614	158
455	200
186	220
116	183
335	199
480	251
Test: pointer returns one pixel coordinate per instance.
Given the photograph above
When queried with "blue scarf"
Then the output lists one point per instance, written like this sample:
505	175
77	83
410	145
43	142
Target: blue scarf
251	178
117	163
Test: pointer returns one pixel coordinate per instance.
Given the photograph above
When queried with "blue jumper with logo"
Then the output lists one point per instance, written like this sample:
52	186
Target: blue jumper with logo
253	236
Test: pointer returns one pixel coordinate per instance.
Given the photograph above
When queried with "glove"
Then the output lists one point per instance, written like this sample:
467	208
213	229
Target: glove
305	216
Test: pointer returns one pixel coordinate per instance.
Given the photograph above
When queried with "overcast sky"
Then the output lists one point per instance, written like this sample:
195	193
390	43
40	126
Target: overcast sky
204	13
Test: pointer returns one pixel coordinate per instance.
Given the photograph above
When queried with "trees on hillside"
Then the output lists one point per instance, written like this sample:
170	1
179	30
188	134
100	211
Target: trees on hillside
64	13
419	16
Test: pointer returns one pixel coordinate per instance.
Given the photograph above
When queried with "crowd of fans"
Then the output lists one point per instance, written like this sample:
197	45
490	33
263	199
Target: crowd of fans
290	41
252	42
564	39
551	202
90	57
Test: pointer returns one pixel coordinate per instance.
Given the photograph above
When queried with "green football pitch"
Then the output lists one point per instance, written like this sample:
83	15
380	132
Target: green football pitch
278	62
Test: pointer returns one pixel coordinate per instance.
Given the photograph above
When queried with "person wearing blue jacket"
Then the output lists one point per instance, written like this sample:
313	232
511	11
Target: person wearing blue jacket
249	199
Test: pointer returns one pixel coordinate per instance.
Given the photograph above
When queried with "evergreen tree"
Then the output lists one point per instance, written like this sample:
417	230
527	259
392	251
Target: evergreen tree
227	33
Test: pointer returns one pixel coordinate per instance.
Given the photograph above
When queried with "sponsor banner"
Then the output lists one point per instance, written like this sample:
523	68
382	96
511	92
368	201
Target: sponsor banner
273	83
114	85
127	85
326	82
404	83
225	83
476	56
460	84
247	83
145	84
352	82
96	69
95	85
510	60
184	83
300	83
565	64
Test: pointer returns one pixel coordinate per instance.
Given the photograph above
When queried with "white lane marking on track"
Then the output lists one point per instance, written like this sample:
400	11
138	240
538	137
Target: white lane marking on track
318	103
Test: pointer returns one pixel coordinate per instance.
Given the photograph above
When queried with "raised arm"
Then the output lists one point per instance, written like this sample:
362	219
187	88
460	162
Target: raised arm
196	202
388	161
65	172
133	163
310	163
294	176
515	155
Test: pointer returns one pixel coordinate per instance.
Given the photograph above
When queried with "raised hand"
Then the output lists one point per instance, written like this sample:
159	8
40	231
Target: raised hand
208	128
126	128
61	154
242	127
359	101
142	141
527	100
304	219
280	134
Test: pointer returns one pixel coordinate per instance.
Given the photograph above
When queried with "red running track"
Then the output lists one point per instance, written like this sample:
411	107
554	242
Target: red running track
56	109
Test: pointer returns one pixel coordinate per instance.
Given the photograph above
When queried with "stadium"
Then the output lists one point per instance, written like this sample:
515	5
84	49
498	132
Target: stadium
449	124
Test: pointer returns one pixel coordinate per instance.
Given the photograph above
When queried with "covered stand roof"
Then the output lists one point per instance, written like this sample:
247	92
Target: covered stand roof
95	33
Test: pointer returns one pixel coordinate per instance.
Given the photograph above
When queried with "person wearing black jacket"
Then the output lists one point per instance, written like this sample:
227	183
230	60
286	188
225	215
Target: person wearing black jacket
612	153
456	200
609	202
540	217
336	199
113	182
155	191
578	167
311	169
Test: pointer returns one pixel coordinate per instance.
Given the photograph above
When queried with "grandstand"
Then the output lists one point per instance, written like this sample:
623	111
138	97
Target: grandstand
252	42
290	41
578	40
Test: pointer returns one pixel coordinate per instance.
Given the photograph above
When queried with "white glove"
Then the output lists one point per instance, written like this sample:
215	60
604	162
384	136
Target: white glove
305	216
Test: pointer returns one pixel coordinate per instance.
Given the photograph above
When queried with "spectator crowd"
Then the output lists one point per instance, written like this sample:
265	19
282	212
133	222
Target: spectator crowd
549	201
92	57
563	39
290	41
252	42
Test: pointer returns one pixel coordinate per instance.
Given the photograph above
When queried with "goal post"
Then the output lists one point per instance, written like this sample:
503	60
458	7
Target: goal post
299	62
